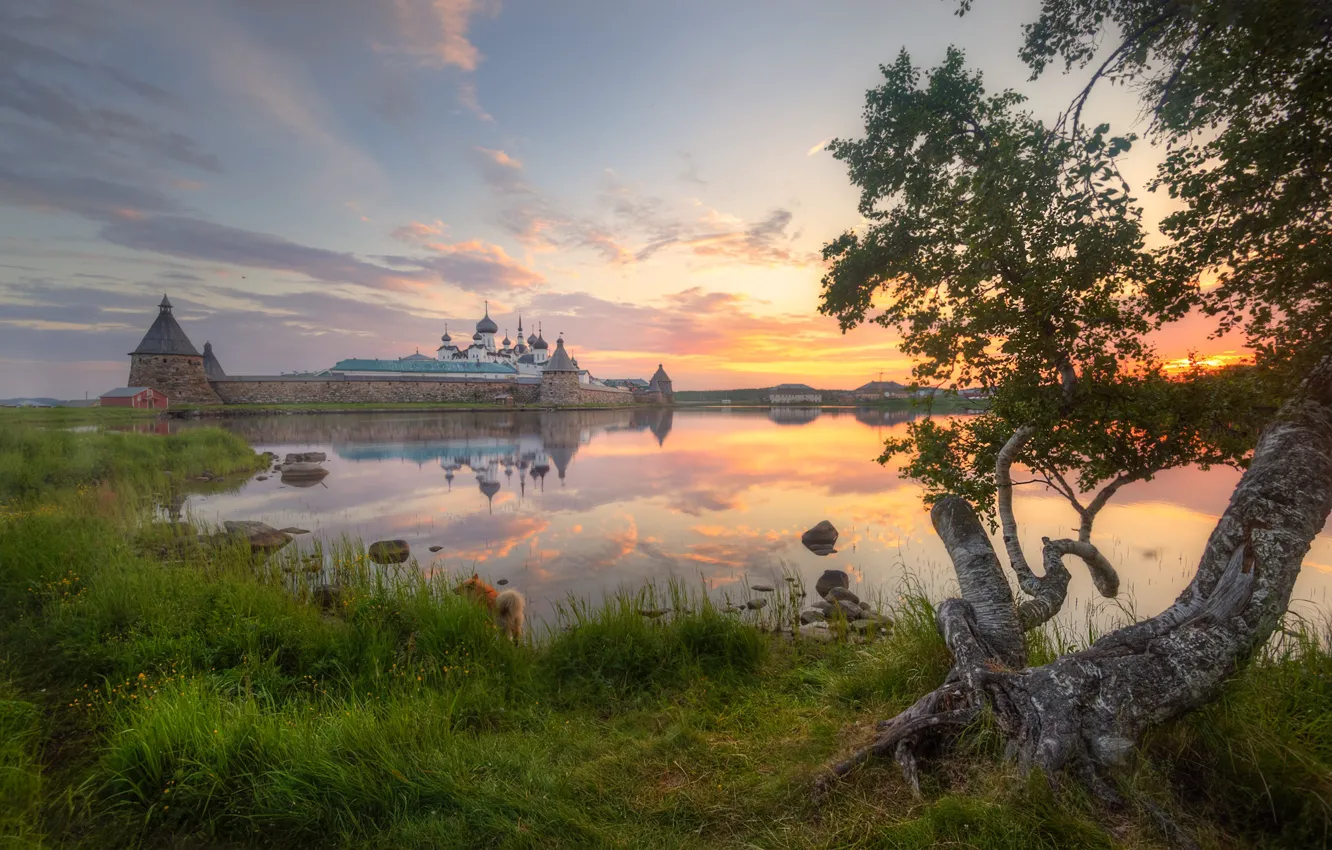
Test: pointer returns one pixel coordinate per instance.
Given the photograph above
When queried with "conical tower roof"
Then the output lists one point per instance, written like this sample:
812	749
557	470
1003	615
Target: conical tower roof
559	361
166	335
212	368
658	377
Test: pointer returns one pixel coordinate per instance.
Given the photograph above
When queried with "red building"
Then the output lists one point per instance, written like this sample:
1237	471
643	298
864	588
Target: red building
142	397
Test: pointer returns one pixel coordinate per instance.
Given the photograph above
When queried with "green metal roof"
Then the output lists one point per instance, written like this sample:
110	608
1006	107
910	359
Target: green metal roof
428	367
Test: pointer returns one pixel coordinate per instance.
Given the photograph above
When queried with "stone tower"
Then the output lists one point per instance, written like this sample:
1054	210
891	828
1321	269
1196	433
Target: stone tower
559	378
661	383
166	360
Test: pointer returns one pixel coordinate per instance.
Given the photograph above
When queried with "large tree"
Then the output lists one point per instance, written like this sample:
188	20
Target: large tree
1010	253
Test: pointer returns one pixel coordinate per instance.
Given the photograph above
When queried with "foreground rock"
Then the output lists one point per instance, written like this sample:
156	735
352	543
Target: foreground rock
260	536
820	539
841	594
812	615
389	551
756	604
849	610
829	580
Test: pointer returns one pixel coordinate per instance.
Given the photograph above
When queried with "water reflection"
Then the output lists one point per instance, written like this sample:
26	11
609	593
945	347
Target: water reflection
563	502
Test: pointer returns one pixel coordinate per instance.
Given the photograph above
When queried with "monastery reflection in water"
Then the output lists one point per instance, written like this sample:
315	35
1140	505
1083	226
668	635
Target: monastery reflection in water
501	449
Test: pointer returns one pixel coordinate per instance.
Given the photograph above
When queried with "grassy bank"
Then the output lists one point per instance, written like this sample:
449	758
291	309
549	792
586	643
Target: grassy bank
158	692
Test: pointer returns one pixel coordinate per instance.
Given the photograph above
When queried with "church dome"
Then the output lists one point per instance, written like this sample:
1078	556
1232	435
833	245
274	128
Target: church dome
540	344
531	339
477	336
487	325
446	339
507	342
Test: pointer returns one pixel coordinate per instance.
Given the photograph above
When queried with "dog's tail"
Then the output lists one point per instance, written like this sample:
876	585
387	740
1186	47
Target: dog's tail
510	611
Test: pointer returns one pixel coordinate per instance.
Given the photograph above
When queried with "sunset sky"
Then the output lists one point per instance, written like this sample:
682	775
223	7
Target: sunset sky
317	179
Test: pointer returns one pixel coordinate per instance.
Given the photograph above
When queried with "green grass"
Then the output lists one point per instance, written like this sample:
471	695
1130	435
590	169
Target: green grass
159	693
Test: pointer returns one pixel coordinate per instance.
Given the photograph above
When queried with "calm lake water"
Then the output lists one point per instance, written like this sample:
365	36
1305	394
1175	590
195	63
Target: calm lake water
581	502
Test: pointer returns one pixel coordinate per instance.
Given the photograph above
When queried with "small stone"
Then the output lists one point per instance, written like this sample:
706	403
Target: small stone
756	604
261	478
862	625
811	615
389	551
841	594
294	530
822	605
762	588
435	548
829	580
306	457
502	582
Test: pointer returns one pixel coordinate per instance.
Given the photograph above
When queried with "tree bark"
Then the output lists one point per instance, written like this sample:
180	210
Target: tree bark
1086	711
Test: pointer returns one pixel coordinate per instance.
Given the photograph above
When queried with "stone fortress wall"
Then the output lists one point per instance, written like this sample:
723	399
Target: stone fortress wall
563	388
361	390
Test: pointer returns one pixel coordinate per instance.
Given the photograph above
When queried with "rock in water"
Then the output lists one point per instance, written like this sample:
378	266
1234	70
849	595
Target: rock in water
261	536
841	594
762	588
829	580
306	457
302	474
261	478
756	604
294	530
502	582
389	551
820	539
435	548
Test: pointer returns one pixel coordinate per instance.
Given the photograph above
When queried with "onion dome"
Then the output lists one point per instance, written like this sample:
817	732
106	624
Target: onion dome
477	336
487	325
446	339
540	344
531	339
507	342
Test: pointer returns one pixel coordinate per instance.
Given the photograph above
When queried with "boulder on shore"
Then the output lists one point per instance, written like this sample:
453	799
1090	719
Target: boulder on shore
849	610
811	615
756	604
261	536
820	539
389	551
841	594
829	580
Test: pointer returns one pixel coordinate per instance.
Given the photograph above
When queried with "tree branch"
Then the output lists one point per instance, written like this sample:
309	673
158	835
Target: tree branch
1003	479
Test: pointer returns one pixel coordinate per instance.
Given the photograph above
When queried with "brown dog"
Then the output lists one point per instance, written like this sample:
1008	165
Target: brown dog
508	607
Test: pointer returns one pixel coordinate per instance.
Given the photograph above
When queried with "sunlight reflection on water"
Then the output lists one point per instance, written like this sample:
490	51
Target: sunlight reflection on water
580	502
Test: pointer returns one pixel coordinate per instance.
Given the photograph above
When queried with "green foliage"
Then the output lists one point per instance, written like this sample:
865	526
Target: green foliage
1010	255
1238	93
20	769
615	651
34	461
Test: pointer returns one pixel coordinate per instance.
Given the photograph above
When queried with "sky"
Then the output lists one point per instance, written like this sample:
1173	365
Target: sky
311	180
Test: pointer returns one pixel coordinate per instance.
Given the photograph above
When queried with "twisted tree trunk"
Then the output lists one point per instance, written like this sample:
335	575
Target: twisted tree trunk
1086	711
